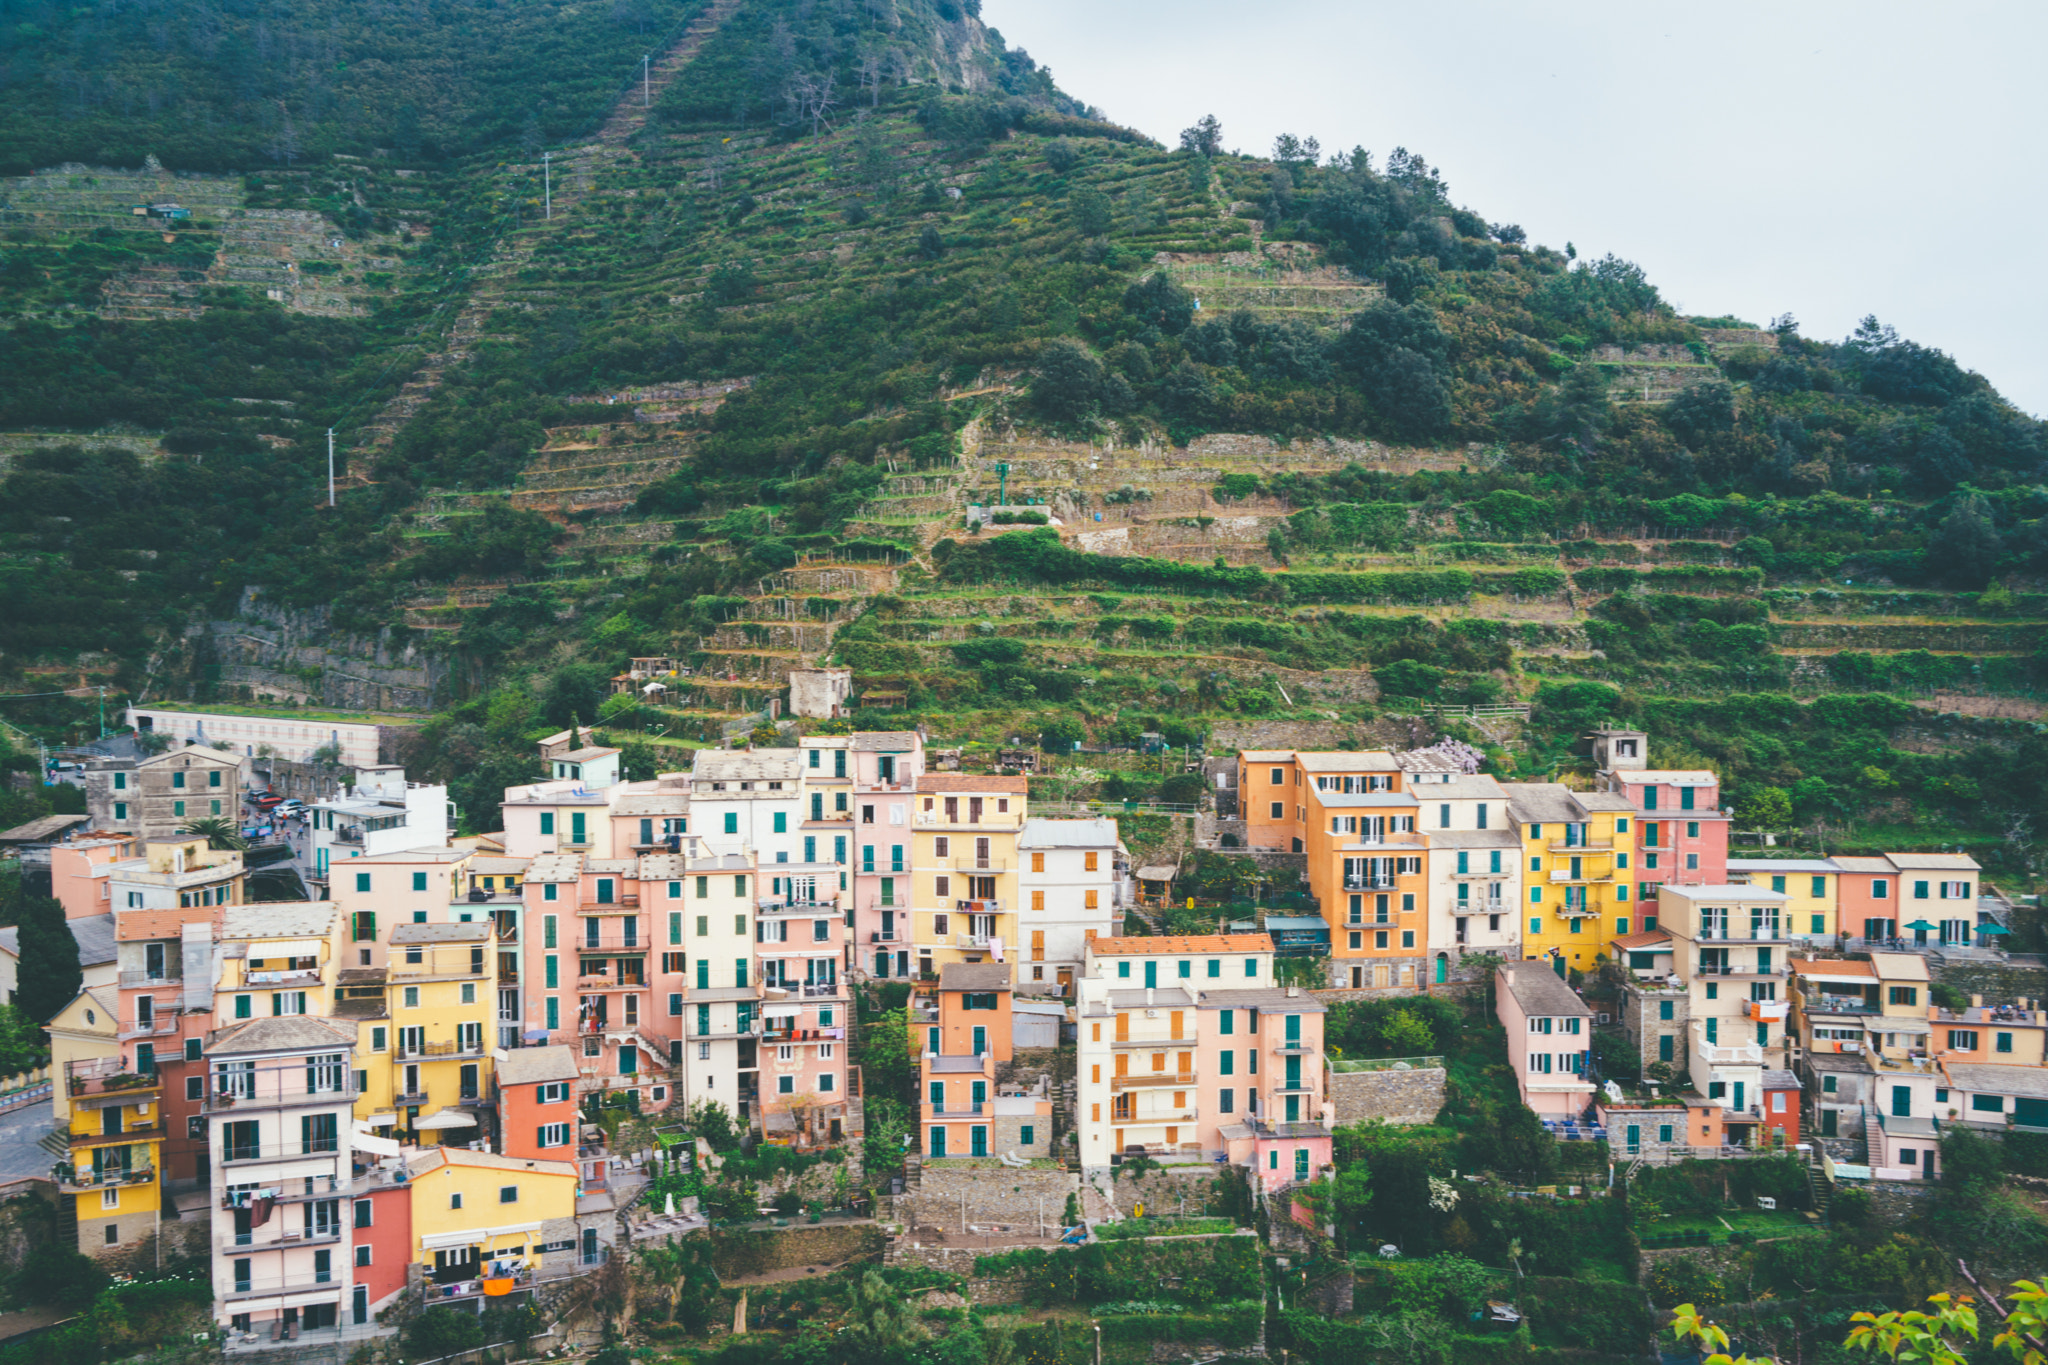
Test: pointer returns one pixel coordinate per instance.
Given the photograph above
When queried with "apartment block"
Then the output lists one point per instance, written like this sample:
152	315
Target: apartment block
1730	946
1681	827
963	847
721	988
1473	865
967	1036
280	1107
379	813
1069	891
1365	867
166	964
1578	850
885	766
1189	1053
159	797
1809	886
111	1120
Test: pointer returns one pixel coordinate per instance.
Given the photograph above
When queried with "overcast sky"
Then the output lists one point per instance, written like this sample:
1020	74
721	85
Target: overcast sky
1817	157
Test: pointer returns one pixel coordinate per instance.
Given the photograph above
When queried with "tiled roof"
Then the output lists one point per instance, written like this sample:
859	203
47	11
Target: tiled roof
1271	999
885	741
1538	991
1649	940
1193	943
967	782
974	976
284	1033
532	1065
132	926
1041	833
475	932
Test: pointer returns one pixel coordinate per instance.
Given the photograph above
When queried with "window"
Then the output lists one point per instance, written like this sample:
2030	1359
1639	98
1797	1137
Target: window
455	1200
364	1208
2001	1042
1665	1009
553	1135
1828	1085
1919	891
1903	995
1987	1104
362	881
1880	889
508	1194
1962	1040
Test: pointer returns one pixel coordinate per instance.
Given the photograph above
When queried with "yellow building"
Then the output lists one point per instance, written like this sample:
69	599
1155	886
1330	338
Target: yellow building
1576	849
1809	886
477	1216
276	959
431	1070
113	1123
962	880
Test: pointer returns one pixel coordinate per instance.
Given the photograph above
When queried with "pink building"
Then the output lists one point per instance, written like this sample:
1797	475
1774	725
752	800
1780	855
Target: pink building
598	978
164	1022
1681	831
78	873
886	766
808	1085
1259	1054
1550	1036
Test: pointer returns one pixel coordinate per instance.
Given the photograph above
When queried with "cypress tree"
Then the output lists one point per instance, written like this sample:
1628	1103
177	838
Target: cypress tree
50	974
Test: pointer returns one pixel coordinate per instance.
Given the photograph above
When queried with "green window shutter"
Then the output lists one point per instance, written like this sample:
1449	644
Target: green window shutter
547	931
552	980
547	822
245	1007
675	927
554	1014
419	881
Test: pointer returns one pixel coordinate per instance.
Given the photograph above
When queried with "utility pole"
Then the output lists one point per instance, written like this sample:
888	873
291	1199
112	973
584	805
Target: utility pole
547	182
646	81
330	466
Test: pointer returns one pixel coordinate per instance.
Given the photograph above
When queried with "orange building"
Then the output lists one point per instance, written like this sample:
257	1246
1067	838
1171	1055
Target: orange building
966	1037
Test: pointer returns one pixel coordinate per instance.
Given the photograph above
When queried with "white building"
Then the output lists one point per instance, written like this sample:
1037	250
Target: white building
279	1105
299	740
383	813
1474	868
749	799
1068	892
721	997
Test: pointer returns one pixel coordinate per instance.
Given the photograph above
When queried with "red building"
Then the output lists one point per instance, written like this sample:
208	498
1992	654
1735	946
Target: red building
380	1235
1780	1107
537	1103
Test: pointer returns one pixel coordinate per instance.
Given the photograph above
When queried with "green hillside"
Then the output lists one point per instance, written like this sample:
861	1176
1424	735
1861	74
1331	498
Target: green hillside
1326	447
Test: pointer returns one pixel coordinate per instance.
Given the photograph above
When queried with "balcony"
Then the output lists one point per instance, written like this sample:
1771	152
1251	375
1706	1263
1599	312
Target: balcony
607	982
103	1079
1184	1038
1558	844
1369	883
971	1111
402	1098
323	1235
1725	1054
146	980
624	905
1181	1080
888	936
1736	969
1835	1045
1564	877
1150	1116
1837	1004
276	1097
332	1188
152	1131
1766	1011
976	942
73	1181
1293	1047
1767	931
268	1287
298	977
154	1028
967	862
611	943
238	1156
431	1051
812	906
979	907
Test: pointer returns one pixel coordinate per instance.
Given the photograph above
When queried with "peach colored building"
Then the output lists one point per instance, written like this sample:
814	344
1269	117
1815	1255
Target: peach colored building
1189	1053
965	1035
78	873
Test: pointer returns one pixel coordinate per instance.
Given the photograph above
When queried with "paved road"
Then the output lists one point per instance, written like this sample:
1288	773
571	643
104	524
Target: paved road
19	1154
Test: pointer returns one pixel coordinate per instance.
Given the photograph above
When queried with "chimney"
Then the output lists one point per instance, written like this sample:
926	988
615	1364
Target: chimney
1293	991
1976	1002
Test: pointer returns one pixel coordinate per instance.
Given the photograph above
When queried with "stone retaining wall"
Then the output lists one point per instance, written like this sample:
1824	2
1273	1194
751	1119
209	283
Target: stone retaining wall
950	1197
1389	1096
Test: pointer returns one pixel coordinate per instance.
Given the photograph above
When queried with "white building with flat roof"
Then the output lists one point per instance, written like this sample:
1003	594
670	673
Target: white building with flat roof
284	735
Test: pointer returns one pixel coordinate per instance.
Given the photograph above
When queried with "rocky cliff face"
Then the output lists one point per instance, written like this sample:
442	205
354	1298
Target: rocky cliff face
294	654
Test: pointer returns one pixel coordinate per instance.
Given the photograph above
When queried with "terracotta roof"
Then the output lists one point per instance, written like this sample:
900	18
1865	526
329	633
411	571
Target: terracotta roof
963	782
1193	943
1810	967
130	926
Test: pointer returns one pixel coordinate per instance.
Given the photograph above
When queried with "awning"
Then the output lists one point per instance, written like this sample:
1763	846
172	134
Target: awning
446	1118
443	1241
1922	925
376	1146
294	947
381	1120
781	1011
1993	929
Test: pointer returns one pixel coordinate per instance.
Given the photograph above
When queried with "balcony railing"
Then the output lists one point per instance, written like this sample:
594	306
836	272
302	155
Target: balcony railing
1736	969
233	1155
275	1096
607	982
144	980
1561	845
1164	1079
1369	883
1821	1004
1765	932
407	1097
152	1131
269	1285
324	1187
154	1028
309	976
971	1111
1564	877
1725	1054
612	943
326	1234
72	1180
975	941
450	1047
888	936
628	901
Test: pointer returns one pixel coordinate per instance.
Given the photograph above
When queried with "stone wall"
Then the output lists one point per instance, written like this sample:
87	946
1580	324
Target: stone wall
1643	1023
1999	983
955	1193
755	1253
1389	1096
